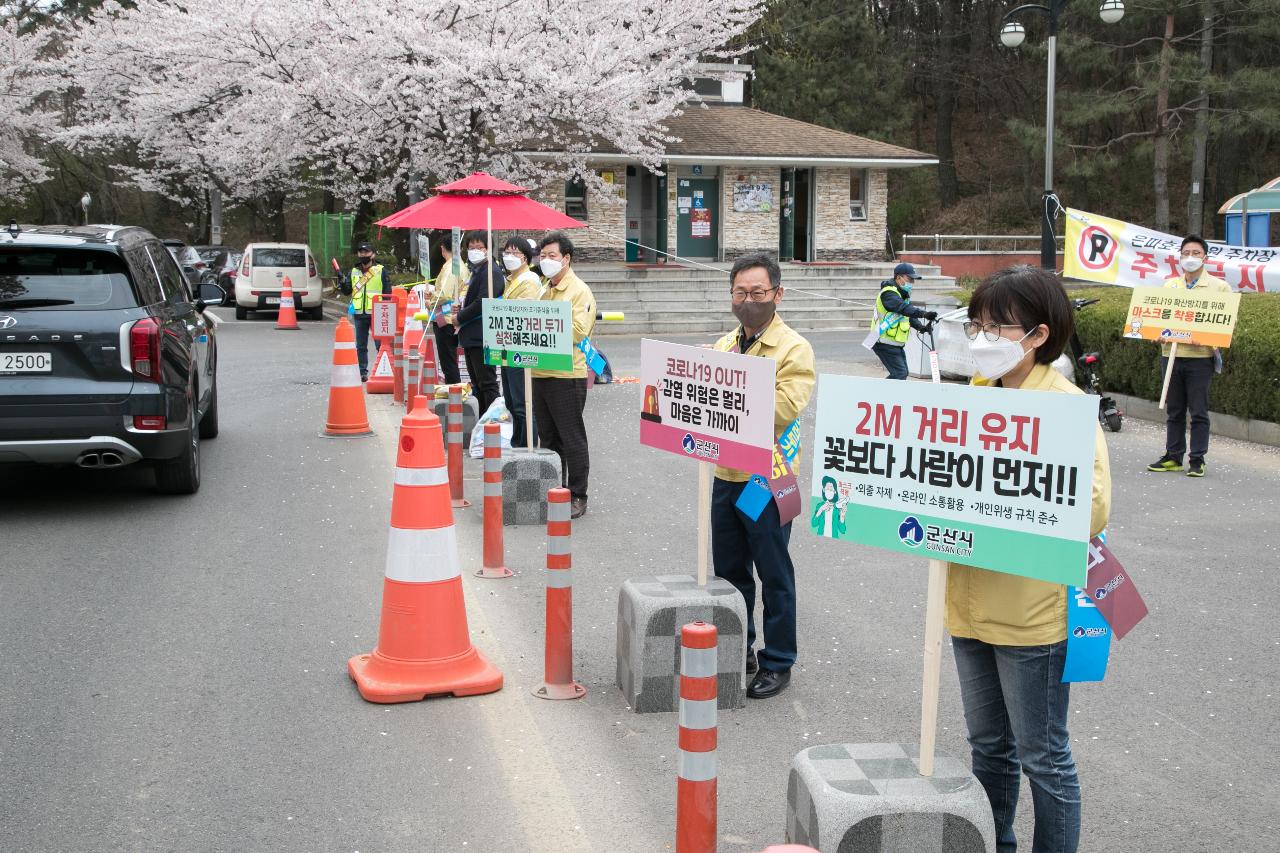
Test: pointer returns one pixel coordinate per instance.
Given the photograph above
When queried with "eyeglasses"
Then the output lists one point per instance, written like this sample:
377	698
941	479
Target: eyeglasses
753	295
991	331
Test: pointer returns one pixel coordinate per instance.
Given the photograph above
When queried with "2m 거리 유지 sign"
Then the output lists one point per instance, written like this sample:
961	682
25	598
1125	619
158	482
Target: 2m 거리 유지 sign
1000	479
528	333
708	405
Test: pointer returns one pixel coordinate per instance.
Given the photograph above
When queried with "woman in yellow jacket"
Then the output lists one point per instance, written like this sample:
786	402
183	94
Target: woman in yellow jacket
1009	632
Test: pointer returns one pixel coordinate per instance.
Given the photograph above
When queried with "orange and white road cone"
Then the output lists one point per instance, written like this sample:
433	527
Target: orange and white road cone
454	434
413	327
288	316
557	659
382	377
397	367
424	647
347	415
494	566
413	383
696	771
430	378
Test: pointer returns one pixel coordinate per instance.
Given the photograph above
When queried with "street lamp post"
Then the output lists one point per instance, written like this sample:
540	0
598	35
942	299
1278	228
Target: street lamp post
1012	34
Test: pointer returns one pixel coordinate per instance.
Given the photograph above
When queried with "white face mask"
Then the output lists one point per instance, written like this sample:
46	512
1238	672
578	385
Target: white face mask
996	359
476	256
1191	263
512	262
551	268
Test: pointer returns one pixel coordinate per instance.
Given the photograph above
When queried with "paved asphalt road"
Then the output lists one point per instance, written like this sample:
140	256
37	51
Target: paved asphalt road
173	670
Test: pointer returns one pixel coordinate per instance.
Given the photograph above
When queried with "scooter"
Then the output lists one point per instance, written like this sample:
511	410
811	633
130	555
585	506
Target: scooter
1087	364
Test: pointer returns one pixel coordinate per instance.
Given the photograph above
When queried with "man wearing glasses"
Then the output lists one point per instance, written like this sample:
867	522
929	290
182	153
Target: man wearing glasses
1192	370
737	541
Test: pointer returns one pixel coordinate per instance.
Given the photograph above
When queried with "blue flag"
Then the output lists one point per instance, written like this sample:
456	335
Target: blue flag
1088	639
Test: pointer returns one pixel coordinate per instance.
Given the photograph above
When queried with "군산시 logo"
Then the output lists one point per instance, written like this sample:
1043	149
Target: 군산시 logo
911	532
688	444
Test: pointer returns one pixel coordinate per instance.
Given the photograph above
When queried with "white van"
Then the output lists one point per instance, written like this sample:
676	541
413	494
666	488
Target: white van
261	278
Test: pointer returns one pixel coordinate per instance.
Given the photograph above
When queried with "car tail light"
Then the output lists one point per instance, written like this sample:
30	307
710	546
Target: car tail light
311	266
144	349
200	265
244	267
231	273
149	422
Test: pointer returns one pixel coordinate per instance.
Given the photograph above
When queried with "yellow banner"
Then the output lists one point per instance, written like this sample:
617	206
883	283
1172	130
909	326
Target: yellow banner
1182	316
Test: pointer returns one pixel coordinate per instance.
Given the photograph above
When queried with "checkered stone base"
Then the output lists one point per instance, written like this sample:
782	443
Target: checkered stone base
871	798
527	476
651	612
470	414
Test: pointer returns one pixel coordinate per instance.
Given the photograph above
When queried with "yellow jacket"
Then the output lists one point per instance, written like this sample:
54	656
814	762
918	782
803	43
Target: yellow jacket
793	359
574	290
448	285
522	284
1010	610
1205	283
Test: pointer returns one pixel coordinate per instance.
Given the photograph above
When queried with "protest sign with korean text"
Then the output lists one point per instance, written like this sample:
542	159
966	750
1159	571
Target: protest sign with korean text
1164	314
1110	251
708	405
1000	479
528	333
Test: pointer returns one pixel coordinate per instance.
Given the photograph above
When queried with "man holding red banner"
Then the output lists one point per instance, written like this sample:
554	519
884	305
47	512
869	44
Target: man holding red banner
739	541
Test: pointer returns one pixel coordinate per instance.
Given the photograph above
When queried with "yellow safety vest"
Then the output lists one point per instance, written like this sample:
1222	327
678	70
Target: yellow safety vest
896	334
363	289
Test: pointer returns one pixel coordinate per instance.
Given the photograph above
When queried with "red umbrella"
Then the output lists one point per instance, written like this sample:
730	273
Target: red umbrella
468	204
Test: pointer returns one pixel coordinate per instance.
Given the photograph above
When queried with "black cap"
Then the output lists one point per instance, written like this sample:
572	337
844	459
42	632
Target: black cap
364	247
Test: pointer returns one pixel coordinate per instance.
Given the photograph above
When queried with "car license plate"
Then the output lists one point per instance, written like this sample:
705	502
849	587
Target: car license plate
26	362
273	300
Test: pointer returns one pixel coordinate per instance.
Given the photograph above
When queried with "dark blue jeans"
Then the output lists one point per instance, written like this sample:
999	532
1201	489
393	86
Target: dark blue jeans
893	358
513	396
737	543
1015	707
362	323
1188	394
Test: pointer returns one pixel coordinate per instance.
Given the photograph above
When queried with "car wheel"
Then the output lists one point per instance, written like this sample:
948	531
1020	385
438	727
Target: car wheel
181	476
242	313
316	313
209	423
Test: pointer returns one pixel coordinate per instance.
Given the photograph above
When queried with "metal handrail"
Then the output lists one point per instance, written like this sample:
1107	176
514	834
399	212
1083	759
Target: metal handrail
937	241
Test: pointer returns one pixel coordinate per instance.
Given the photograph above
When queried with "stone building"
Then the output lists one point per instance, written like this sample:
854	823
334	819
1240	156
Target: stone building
738	180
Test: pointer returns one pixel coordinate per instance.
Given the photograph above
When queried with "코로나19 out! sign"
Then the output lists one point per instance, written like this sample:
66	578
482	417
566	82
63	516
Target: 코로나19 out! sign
528	333
1000	479
707	405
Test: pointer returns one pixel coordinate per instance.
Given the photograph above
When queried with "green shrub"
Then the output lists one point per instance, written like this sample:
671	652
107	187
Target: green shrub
1249	386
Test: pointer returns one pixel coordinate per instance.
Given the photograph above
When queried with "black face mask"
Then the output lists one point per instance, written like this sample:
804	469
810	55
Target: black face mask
364	262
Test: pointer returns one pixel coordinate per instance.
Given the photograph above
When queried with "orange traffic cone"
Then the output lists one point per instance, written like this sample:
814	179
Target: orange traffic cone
288	317
381	378
424	647
347	415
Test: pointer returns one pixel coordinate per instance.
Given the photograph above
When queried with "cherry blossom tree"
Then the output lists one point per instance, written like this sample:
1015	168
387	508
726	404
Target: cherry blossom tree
21	121
363	97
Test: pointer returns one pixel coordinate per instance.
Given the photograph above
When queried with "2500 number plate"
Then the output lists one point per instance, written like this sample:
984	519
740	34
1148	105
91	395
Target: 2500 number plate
26	362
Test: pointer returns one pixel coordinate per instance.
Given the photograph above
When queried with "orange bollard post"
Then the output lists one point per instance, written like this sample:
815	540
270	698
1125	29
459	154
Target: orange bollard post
347	415
288	316
455	448
430	378
696	774
397	367
411	382
494	567
424	646
464	375
557	658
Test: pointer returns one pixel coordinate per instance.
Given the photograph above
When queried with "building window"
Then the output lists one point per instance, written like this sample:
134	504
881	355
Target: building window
575	199
858	194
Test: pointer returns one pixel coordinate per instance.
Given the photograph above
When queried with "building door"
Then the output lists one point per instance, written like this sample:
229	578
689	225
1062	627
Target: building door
803	215
698	217
787	216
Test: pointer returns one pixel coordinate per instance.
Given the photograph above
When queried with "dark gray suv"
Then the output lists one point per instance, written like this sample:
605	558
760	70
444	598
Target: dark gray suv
106	356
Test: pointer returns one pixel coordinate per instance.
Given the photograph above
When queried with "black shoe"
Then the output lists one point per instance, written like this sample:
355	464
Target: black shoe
1165	464
752	665
1195	469
768	683
578	508
364	377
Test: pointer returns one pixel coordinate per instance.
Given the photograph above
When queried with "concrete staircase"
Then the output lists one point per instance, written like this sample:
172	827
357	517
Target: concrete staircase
693	300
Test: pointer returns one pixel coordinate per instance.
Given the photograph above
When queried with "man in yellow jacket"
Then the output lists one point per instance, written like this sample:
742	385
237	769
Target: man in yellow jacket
1193	368
559	399
737	541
